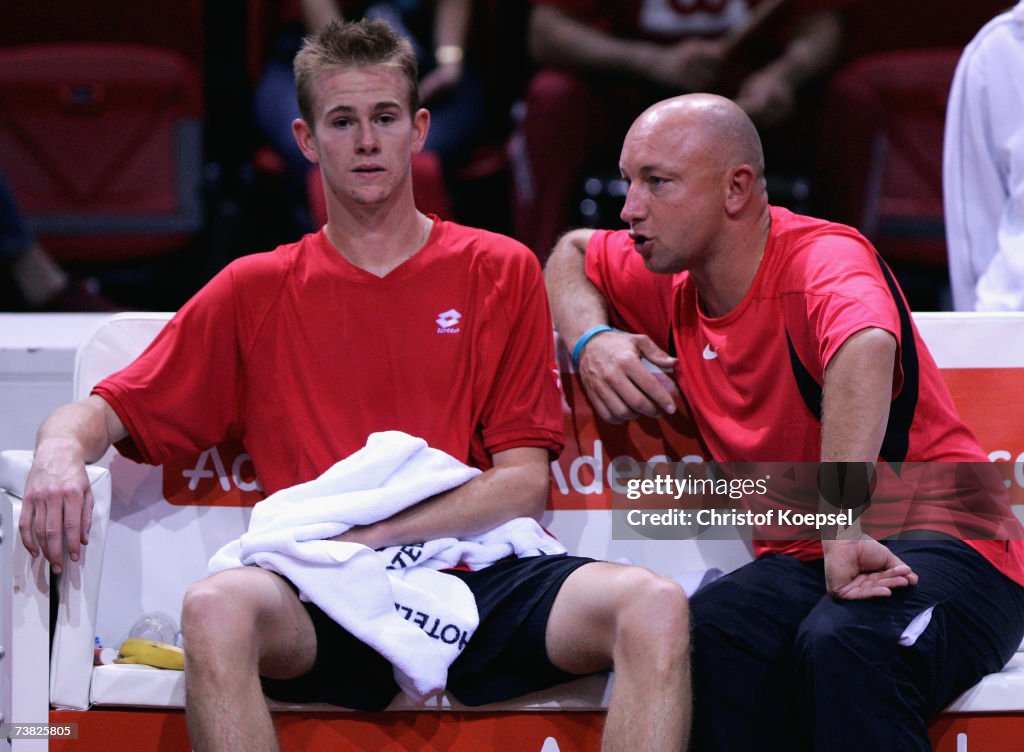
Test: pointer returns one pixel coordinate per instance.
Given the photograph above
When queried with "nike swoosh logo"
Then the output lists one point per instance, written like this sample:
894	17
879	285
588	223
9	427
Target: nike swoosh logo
708	353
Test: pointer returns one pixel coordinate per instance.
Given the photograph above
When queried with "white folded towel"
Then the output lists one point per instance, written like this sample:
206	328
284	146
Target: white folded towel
394	600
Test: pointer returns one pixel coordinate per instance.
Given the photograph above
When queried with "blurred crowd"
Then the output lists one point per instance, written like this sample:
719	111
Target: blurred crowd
529	102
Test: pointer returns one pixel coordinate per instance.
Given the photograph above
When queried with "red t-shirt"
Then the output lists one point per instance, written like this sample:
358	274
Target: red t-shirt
752	378
300	355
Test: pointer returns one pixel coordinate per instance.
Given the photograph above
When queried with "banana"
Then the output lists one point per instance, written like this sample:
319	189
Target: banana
151	653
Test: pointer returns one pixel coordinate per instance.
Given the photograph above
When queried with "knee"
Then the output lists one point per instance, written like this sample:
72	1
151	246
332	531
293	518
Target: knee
654	612
223	599
830	638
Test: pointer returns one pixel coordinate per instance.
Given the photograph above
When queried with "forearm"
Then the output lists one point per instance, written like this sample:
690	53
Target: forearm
612	364
451	24
855	412
58	498
84	430
517	486
318	13
557	39
812	52
576	304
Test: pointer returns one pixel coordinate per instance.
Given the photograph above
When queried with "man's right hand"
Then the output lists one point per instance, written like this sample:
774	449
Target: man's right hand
620	386
58	497
58	502
863	568
687	66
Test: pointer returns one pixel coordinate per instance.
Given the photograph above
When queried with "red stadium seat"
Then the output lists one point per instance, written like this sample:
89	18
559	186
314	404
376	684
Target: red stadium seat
102	144
172	24
882	141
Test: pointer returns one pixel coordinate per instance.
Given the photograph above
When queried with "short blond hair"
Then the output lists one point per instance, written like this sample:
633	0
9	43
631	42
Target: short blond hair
353	45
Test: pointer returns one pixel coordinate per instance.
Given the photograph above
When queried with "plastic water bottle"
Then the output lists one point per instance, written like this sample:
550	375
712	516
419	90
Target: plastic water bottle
157	626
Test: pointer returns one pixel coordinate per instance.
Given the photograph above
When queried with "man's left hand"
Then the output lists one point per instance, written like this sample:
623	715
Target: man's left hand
442	79
863	568
767	98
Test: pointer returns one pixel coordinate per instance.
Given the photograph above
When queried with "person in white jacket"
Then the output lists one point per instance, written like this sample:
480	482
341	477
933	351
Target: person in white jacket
983	169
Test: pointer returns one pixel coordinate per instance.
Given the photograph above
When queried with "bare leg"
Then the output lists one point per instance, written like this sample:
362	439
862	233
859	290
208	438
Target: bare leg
237	624
637	622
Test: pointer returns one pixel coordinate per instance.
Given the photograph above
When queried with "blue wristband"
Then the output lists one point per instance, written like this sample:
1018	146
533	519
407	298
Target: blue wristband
588	335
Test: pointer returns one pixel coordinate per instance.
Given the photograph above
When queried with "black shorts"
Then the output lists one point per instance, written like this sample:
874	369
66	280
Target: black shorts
506	657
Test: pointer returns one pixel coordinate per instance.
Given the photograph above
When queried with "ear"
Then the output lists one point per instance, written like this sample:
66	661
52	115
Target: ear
306	140
739	189
420	129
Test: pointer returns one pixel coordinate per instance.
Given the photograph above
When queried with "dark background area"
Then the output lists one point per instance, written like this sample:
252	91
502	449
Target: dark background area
891	83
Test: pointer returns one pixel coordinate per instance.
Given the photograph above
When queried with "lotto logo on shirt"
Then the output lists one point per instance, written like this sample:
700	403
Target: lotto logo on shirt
448	322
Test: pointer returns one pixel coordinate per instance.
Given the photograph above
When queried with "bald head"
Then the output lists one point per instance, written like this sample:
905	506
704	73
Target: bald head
714	124
696	190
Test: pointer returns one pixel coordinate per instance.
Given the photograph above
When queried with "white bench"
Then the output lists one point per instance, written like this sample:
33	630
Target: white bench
145	551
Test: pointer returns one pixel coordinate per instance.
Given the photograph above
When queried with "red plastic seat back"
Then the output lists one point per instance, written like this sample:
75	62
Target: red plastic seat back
102	144
883	140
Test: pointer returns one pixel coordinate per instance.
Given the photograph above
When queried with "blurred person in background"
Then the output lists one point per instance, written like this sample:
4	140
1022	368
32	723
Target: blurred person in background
29	279
983	169
602	61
